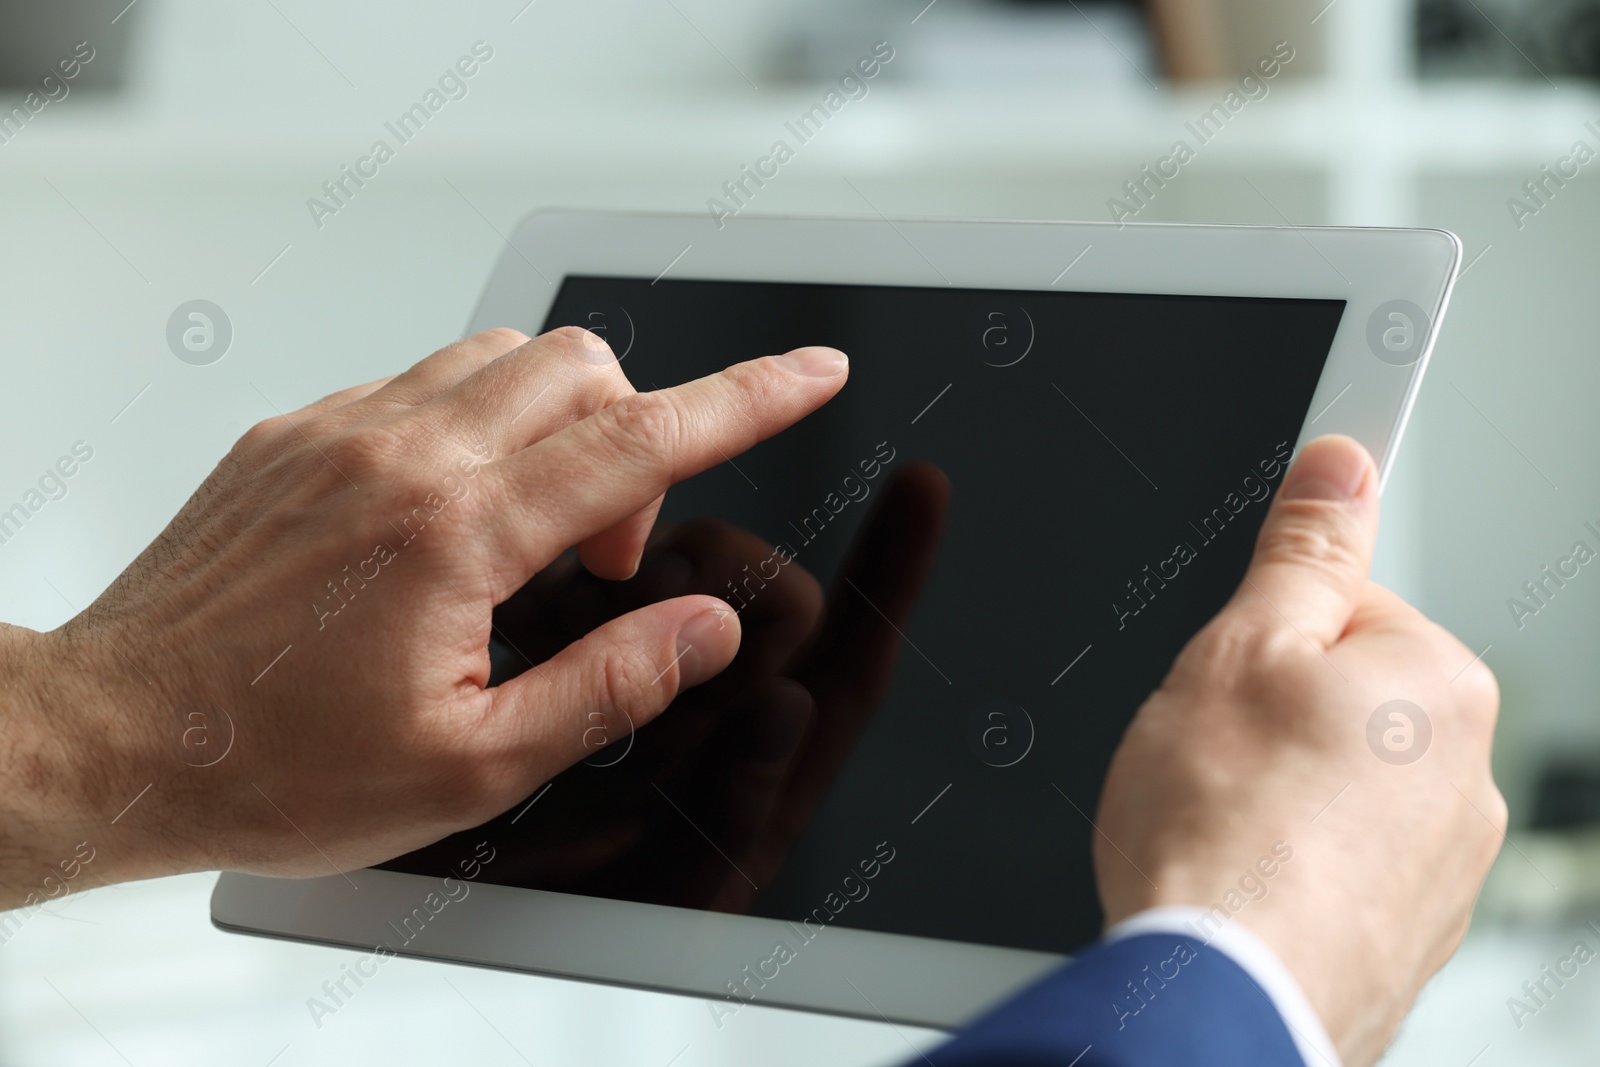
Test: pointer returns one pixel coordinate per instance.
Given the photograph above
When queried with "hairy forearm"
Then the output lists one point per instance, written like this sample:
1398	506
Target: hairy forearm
68	761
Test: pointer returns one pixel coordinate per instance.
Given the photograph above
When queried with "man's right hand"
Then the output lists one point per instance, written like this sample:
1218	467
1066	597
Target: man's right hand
1275	727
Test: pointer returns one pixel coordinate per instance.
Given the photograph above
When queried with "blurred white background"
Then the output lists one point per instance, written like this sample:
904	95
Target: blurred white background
185	173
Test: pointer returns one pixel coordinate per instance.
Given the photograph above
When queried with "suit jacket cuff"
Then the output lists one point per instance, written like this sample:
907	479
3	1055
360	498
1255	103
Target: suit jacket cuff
1255	958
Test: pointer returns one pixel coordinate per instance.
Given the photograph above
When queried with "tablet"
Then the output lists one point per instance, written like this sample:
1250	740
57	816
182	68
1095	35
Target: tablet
957	582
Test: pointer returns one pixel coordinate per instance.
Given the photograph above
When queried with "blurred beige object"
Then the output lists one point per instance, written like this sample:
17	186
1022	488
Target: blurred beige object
1217	40
1189	35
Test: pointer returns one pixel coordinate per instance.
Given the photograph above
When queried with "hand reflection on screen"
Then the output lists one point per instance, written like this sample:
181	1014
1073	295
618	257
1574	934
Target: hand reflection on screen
742	761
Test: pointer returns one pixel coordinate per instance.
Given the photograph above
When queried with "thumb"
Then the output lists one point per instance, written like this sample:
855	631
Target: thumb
1315	548
603	687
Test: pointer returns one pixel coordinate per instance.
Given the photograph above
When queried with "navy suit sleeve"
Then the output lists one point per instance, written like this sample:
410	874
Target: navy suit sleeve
1155	999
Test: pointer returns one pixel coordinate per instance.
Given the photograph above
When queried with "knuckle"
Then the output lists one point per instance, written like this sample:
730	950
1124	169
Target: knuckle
500	337
1481	693
1315	535
372	452
262	434
757	387
629	684
566	335
596	378
1256	674
608	380
643	426
583	344
1471	684
1232	648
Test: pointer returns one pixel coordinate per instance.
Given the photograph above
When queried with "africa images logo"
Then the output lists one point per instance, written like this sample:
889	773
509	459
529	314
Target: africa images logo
199	332
1396	332
1399	733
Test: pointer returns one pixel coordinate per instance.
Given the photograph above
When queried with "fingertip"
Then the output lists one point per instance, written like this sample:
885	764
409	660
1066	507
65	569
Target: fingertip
605	563
614	555
815	361
1333	467
707	642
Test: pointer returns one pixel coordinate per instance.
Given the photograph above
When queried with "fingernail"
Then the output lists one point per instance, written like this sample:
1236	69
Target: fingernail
1328	469
815	362
699	645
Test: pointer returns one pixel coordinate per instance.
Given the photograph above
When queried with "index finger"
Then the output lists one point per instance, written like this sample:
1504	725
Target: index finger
596	472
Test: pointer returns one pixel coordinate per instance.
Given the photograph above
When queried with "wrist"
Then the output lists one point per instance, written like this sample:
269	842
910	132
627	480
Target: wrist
76	754
42	815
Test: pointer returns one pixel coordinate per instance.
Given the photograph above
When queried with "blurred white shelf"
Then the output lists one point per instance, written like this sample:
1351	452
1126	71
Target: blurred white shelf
1472	128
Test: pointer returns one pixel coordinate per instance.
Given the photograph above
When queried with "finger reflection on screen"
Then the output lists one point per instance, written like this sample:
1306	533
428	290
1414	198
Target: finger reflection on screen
743	760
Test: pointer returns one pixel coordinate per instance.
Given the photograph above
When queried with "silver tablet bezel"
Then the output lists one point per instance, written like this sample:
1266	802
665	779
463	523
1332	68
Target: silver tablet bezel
726	958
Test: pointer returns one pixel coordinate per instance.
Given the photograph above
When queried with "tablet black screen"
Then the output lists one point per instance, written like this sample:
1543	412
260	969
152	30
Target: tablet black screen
957	582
